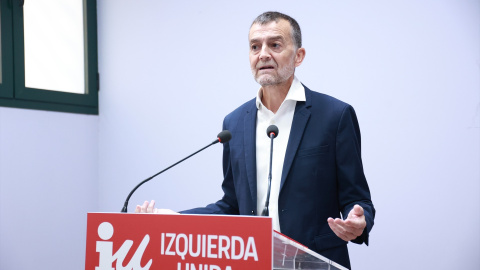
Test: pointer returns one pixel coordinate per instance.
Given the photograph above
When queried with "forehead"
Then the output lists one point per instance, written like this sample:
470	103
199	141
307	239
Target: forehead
280	29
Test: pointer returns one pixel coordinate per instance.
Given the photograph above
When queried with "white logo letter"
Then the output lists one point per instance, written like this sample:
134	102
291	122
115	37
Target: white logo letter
105	248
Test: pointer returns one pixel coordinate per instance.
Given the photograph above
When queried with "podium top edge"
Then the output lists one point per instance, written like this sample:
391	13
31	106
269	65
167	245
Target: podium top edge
200	215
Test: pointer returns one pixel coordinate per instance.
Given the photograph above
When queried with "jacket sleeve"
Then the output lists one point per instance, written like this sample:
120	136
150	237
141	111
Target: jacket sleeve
352	184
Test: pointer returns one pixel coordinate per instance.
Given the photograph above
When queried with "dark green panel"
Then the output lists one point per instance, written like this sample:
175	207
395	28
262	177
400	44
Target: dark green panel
45	106
6	86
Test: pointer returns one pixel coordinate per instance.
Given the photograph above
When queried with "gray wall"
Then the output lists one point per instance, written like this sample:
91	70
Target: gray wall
48	182
172	70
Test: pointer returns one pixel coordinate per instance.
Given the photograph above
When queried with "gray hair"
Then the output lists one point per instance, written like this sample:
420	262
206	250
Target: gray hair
273	16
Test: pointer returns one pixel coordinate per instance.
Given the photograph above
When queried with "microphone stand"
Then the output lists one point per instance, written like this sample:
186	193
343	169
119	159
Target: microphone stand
272	133
265	211
223	137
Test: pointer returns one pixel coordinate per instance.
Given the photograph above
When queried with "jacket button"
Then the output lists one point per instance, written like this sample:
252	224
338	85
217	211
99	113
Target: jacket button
253	212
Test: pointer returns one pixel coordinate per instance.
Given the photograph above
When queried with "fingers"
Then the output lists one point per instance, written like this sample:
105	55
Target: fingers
356	222
356	218
338	227
356	211
149	207
146	207
348	229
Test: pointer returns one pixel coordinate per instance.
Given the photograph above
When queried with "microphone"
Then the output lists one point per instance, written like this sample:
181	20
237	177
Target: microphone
222	137
272	129
272	133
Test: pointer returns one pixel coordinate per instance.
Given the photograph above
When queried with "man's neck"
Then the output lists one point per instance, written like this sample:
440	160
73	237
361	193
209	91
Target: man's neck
274	95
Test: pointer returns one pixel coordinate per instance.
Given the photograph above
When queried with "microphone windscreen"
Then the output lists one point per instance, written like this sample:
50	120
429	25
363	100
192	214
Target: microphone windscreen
224	136
272	129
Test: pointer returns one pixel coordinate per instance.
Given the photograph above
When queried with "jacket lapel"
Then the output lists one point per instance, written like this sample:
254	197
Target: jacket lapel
249	145
300	120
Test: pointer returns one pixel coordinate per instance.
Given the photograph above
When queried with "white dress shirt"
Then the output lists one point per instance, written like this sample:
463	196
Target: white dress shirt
283	120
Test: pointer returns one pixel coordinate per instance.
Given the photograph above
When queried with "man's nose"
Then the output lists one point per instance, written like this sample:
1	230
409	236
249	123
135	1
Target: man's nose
264	54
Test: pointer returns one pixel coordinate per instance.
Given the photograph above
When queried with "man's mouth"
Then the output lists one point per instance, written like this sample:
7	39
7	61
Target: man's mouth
266	67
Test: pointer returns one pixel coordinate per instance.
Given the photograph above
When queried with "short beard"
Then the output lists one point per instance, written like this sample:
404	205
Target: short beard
283	75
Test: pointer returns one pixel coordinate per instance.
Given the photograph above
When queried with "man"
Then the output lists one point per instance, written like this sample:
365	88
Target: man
317	170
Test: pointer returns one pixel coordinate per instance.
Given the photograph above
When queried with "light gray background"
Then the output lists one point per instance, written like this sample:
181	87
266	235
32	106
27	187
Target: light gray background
171	70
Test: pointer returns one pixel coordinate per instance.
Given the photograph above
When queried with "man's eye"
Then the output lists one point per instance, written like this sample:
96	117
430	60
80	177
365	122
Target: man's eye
275	45
254	47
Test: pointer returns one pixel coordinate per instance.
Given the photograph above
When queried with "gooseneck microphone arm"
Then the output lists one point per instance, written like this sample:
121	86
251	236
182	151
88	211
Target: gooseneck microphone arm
272	133
222	137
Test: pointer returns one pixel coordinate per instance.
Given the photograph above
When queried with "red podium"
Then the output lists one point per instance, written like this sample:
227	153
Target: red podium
119	241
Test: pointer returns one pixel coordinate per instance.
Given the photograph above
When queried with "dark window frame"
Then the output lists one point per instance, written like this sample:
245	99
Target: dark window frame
13	92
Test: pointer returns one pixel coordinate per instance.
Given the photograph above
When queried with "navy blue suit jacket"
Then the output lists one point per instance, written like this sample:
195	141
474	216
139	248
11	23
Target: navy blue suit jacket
322	173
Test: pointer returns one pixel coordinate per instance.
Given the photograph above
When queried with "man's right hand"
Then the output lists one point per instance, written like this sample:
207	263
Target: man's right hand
149	207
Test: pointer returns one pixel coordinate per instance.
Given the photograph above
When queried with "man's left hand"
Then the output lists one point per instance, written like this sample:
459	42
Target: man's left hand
350	228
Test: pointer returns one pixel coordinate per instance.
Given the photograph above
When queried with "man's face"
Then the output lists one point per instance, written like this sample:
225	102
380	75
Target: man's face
272	52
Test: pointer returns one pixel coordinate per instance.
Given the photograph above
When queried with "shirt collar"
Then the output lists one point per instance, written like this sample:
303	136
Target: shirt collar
295	93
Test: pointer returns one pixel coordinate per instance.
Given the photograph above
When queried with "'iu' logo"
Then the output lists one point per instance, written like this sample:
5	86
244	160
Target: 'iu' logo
106	256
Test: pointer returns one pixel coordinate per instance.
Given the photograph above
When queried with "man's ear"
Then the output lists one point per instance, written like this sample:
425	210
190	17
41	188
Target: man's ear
299	56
